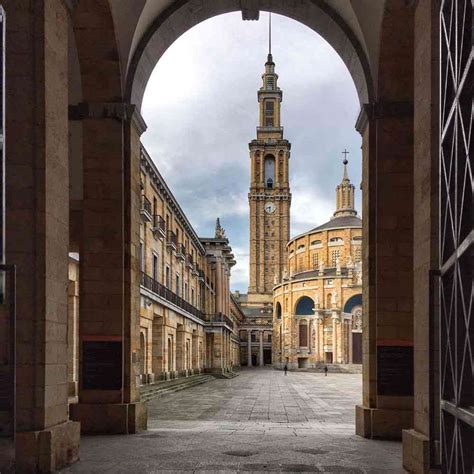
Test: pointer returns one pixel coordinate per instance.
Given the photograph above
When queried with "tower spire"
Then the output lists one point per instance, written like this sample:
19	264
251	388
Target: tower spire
345	193
345	176
269	33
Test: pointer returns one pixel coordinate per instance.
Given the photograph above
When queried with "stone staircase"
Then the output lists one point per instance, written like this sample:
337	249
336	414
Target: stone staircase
150	391
226	375
339	368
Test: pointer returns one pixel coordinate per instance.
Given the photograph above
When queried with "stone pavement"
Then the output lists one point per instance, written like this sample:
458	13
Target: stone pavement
260	421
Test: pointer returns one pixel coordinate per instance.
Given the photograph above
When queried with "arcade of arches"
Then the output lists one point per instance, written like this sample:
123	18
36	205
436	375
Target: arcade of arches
75	77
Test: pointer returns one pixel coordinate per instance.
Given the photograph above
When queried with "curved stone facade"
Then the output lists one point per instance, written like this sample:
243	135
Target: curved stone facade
317	314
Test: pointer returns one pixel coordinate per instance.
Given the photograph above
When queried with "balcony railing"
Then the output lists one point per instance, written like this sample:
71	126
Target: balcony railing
159	225
180	251
171	239
220	318
145	210
155	287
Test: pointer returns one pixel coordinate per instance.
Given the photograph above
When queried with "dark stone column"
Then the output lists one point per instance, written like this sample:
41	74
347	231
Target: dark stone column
37	194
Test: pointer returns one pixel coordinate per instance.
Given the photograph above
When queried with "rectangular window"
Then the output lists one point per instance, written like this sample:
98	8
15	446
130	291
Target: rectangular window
186	296
335	255
177	285
315	260
358	255
270	82
168	282
269	113
142	257
192	297
269	107
155	267
303	333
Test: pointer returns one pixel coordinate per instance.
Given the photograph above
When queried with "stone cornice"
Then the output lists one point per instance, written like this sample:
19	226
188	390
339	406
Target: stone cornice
380	110
150	168
269	197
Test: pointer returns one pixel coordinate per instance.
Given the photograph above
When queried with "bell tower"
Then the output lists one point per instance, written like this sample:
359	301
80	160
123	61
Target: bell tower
269	196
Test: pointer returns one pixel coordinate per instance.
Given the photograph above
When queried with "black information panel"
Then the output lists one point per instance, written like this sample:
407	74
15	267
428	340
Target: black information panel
102	365
6	402
395	370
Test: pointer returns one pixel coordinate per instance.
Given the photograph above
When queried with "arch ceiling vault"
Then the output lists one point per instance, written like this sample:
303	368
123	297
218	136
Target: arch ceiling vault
146	28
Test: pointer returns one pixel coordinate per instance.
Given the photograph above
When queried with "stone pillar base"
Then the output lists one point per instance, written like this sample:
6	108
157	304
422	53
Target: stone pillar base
382	423
112	418
416	452
47	450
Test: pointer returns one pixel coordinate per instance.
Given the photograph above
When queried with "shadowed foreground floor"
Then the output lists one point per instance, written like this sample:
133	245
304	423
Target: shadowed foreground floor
260	421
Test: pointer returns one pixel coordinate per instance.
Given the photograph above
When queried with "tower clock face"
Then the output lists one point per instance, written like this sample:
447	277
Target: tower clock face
269	208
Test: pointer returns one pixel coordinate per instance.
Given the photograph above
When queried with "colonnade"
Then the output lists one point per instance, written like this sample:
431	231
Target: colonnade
261	357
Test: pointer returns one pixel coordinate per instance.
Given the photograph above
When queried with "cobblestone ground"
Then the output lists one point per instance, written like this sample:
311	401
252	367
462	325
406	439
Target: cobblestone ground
260	421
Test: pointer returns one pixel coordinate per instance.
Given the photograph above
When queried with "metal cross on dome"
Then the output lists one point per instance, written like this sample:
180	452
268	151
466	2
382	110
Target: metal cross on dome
345	153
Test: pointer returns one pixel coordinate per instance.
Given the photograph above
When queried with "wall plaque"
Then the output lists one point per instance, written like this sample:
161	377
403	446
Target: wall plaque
101	365
395	370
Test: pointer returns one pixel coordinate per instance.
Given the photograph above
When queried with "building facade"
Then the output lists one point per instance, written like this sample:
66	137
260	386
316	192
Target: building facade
187	325
317	305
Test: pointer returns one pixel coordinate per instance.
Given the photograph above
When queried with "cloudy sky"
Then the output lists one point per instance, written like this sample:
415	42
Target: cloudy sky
201	109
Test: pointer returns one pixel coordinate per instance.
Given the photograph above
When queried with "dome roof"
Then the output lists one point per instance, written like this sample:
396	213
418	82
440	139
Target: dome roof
338	222
335	223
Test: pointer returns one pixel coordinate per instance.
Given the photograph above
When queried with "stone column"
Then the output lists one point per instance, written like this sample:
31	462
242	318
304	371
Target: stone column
261	350
350	343
335	345
109	272
180	350
159	356
219	289
310	335
249	345
195	352
37	221
387	173
73	337
426	232
320	338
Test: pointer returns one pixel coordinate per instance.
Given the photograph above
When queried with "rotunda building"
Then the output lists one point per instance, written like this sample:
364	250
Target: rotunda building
317	305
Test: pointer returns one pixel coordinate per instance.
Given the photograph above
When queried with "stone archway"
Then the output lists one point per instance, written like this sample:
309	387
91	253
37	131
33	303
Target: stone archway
110	147
160	32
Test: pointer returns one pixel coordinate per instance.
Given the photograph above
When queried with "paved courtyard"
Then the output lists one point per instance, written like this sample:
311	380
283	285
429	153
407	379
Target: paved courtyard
260	421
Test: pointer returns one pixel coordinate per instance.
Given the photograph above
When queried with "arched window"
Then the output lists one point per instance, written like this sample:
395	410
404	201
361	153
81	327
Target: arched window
352	302
336	240
301	247
278	311
316	242
304	307
269	171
